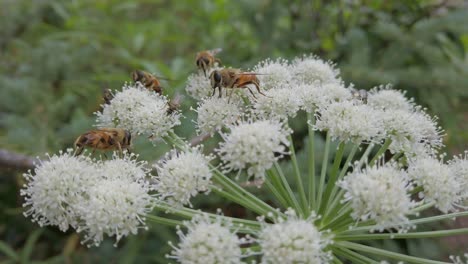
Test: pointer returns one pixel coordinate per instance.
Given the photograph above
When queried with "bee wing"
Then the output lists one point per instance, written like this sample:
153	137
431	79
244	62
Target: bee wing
215	51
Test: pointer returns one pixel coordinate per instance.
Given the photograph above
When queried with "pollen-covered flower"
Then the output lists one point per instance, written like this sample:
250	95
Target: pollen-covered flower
439	183
316	95
380	193
309	69
274	74
207	241
278	103
114	207
253	145
215	113
293	240
388	99
198	85
56	187
138	110
183	176
347	121
409	130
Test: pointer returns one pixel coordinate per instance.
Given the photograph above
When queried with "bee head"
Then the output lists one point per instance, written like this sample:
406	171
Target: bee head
137	75
215	78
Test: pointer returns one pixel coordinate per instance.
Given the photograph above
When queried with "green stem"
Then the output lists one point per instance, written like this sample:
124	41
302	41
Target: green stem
381	151
164	221
312	187
234	198
333	176
386	253
276	192
365	155
353	256
297	173
295	204
413	235
324	169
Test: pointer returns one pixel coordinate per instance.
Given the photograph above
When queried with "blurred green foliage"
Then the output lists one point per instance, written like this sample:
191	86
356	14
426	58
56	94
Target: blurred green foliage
57	56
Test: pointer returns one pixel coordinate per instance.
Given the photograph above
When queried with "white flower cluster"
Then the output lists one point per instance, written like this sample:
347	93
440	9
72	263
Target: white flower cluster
278	103
317	96
351	122
380	193
95	197
441	183
293	240
198	85
309	69
140	111
254	145
388	99
459	260
183	176
215	113
274	74
208	241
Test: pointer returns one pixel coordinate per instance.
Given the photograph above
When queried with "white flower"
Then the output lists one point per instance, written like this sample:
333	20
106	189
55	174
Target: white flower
198	85
123	168
278	103
57	185
274	74
439	183
459	260
138	110
208	241
293	240
380	194
253	145
214	113
389	99
347	121
409	131
459	166
316	95
116	208
309	69
183	176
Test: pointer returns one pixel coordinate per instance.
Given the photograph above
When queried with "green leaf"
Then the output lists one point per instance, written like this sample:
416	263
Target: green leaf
9	251
29	246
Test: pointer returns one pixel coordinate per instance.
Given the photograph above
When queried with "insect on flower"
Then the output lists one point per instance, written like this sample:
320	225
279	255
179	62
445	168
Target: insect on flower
234	78
104	139
206	59
148	80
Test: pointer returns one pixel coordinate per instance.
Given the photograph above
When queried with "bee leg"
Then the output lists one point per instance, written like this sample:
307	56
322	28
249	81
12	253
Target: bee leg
258	89
251	93
230	94
120	149
78	151
214	91
105	156
218	61
203	66
220	93
94	150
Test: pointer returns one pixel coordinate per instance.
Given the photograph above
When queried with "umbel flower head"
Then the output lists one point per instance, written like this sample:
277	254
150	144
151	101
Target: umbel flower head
380	193
386	98
198	85
207	241
126	167
215	113
440	184
309	69
138	110
183	175
293	240
316	95
56	187
348	121
253	145
277	104
274	74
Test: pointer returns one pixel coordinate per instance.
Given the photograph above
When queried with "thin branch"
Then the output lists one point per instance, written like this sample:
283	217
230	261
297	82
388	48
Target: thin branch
16	161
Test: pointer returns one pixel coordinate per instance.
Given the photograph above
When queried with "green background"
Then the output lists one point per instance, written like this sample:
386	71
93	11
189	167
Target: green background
57	56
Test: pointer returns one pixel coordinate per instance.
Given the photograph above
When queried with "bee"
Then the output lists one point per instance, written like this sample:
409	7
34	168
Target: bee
234	78
148	80
361	95
104	139
174	104
107	95
206	59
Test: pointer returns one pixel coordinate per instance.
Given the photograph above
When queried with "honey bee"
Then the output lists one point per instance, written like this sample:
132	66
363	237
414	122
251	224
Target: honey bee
148	80
206	59
174	104
104	139
107	95
234	78
361	95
